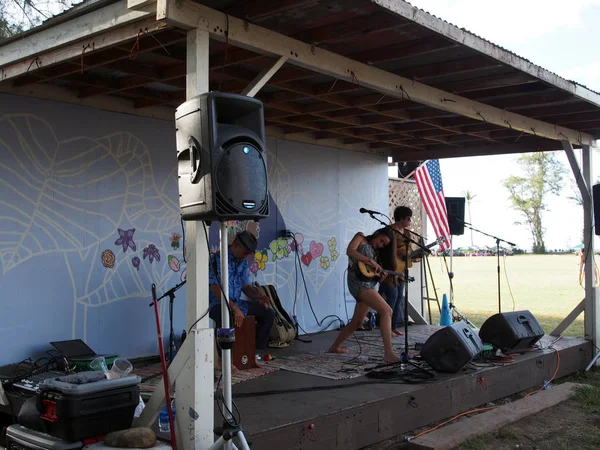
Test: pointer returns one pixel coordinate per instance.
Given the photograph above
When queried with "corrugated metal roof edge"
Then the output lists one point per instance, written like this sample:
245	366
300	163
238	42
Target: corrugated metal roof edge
482	45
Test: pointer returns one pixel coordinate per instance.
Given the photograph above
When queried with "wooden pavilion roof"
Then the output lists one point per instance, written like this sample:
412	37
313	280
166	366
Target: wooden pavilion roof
144	72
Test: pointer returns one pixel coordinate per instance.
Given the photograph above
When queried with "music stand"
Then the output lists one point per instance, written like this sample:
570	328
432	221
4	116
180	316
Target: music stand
407	241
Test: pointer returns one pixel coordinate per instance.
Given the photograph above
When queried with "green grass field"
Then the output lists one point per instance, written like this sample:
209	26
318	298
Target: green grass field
546	285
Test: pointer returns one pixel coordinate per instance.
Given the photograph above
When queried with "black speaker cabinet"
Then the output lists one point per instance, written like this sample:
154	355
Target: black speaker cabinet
222	161
451	348
456	215
515	330
596	200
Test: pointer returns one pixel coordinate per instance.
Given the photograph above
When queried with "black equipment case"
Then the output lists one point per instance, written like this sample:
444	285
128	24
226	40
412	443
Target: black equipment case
20	438
451	348
73	412
516	330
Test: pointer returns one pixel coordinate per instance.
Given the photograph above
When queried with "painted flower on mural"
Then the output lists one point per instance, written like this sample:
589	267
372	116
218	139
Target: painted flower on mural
295	243
126	239
316	249
173	263
325	262
175	241
279	248
332	244
261	259
135	262
152	253
334	255
108	259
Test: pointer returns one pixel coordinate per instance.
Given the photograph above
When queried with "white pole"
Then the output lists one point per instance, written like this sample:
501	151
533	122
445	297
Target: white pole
226	354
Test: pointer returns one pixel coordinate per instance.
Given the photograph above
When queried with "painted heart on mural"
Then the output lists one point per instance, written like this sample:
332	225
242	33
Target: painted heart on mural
316	250
306	259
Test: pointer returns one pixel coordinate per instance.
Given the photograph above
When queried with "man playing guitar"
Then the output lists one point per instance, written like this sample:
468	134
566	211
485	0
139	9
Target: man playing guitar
393	287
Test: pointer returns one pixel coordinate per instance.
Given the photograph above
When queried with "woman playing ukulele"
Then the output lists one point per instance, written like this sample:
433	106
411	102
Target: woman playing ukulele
381	246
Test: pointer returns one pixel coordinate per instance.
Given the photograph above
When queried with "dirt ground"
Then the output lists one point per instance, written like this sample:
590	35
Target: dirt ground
564	427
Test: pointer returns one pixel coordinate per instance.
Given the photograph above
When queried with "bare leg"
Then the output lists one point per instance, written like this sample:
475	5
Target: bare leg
371	298
360	311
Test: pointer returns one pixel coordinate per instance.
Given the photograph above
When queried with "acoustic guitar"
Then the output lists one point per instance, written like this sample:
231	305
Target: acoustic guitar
401	262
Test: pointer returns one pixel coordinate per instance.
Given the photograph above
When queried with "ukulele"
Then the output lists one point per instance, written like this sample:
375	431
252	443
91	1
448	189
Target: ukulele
401	262
367	272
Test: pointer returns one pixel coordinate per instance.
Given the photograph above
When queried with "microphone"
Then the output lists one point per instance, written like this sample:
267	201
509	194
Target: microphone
368	211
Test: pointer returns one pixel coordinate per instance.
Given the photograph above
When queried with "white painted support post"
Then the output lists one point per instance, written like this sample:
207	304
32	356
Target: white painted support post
191	371
195	386
584	183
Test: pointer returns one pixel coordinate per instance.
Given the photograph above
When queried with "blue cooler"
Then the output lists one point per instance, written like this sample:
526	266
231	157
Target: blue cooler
73	411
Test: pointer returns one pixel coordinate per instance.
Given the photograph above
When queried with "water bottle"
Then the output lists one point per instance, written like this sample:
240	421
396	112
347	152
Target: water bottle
163	420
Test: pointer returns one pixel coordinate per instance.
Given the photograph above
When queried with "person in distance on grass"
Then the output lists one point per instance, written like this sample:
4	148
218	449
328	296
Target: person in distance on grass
379	246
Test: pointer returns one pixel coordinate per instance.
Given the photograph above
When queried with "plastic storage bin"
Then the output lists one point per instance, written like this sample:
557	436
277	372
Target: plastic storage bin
73	412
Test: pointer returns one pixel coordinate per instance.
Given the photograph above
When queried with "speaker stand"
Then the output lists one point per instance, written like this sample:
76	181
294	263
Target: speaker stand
229	430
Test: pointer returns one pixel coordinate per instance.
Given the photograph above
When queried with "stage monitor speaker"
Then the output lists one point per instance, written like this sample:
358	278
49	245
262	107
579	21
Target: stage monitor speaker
596	200
456	215
222	161
451	348
515	330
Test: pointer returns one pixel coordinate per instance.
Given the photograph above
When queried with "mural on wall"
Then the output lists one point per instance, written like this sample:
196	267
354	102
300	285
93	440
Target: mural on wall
57	200
97	218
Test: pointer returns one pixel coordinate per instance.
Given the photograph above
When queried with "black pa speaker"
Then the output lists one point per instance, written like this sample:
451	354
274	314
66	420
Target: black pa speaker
456	215
451	348
407	168
596	200
515	330
222	161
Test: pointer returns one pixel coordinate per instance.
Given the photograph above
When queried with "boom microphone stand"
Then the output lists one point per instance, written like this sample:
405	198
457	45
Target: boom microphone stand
498	240
407	241
171	294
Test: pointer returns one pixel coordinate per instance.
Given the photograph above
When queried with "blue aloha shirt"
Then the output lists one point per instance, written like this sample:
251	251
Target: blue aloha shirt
238	277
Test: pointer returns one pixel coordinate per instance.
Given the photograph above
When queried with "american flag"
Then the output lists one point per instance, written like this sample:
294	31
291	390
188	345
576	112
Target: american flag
431	190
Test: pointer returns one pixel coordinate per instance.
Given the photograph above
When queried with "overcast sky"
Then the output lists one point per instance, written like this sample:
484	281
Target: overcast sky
561	37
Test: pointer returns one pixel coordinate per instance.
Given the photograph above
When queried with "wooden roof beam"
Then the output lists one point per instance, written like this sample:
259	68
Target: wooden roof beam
188	15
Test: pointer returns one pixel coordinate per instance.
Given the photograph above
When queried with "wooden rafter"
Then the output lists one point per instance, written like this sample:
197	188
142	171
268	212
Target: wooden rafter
187	14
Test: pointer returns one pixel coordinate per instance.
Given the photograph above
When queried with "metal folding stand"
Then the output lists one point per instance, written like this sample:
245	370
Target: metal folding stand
228	433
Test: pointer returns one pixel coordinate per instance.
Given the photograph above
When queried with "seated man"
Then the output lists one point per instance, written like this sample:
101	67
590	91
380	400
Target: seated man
243	246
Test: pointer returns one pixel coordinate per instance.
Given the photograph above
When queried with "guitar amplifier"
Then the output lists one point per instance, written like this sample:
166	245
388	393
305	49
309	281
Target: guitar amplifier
244	346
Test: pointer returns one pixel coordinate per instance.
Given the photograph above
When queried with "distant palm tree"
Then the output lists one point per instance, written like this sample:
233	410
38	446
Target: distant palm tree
469	196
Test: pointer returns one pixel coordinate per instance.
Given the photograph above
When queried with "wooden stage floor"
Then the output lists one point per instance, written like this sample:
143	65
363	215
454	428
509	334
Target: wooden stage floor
353	413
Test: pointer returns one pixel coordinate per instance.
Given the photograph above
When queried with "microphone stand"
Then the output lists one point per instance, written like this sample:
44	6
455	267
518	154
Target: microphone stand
498	240
171	294
407	241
